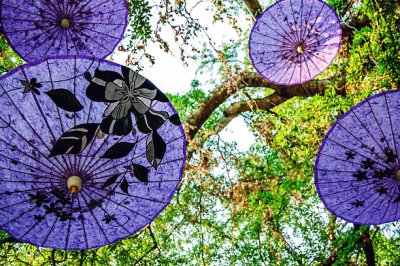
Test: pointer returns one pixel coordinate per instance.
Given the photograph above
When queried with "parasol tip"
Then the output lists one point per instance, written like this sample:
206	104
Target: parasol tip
74	184
65	23
300	49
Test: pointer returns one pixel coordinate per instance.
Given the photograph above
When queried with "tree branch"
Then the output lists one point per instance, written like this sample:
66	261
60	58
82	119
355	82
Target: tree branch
367	246
247	80
9	240
354	24
254	7
243	106
366	243
251	79
53	257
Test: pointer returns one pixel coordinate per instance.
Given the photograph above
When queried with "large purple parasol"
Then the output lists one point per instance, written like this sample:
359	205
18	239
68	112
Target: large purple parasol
37	29
294	41
357	172
90	152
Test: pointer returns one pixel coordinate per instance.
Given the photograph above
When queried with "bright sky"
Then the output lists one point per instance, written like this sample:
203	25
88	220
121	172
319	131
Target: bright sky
170	75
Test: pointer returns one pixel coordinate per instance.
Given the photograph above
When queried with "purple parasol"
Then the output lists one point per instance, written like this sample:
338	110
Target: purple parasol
37	29
357	172
90	152
294	41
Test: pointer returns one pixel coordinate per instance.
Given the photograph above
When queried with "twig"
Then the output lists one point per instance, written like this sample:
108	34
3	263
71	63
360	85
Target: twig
9	240
53	259
154	238
82	258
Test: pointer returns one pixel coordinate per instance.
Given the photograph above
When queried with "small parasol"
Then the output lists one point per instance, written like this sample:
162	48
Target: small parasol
357	172
45	28
90	152
294	41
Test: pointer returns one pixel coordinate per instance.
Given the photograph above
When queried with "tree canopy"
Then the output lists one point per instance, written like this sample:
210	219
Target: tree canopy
257	207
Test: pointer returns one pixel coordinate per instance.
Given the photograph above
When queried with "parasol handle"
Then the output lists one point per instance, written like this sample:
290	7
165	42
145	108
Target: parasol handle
300	49
65	23
398	175
74	184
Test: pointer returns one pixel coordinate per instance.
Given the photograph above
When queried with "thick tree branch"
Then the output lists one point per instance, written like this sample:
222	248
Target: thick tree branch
367	246
237	108
254	7
281	95
247	80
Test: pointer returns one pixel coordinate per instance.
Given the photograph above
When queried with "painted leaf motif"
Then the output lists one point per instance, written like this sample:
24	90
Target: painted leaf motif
110	181
141	172
119	150
74	140
25	83
124	186
119	127
161	96
174	119
88	76
65	100
155	149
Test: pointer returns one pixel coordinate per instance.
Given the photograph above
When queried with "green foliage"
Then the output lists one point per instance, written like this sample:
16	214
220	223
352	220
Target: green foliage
187	104
139	29
374	55
8	58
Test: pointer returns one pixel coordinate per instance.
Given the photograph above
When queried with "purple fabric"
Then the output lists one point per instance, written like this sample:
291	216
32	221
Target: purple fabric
357	163
282	29
121	192
34	27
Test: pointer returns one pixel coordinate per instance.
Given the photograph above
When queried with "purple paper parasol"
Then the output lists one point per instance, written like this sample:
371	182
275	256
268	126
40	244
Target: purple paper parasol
90	152
37	29
294	41
357	172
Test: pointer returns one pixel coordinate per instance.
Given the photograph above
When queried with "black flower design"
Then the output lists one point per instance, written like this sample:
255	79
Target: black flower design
127	93
361	175
390	155
31	86
109	218
93	204
378	173
39	217
52	208
60	194
64	216
358	203
39	198
368	164
382	191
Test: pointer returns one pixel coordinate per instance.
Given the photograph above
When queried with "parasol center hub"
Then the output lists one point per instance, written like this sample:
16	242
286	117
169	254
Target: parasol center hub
74	184
65	23
398	175
300	49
